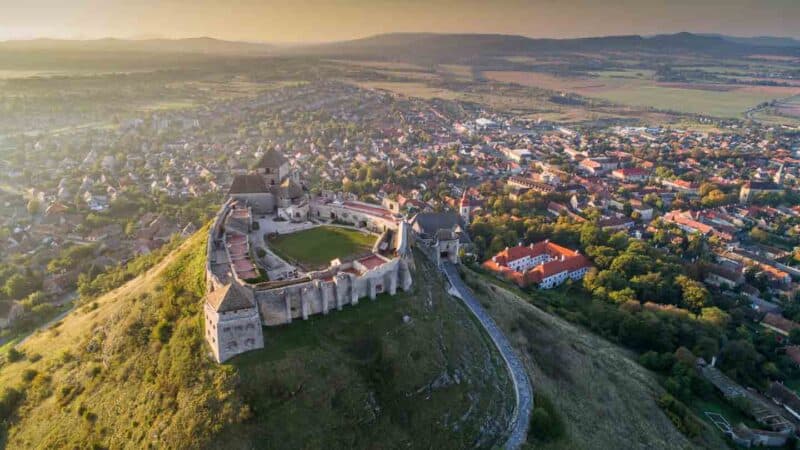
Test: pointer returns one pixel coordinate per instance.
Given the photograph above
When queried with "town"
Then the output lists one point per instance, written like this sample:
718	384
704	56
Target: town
681	245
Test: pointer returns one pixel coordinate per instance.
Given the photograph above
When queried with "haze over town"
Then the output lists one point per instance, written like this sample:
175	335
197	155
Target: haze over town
321	20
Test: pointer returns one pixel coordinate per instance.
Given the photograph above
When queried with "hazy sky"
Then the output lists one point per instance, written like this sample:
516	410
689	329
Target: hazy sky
325	20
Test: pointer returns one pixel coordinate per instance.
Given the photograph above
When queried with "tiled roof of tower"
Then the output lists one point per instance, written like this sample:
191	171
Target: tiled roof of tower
248	184
271	159
231	297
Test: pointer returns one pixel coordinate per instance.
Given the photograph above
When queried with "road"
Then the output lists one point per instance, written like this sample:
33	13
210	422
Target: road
68	297
522	385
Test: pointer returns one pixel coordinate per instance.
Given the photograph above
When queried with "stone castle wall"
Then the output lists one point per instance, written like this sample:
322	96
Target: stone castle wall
282	305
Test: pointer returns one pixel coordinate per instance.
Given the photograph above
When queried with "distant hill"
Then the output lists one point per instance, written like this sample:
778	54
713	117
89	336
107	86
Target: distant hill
204	45
763	41
431	47
473	46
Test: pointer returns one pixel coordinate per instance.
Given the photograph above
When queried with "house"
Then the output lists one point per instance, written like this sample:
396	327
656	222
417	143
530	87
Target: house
718	275
630	174
686	187
783	396
545	264
751	188
779	324
617	223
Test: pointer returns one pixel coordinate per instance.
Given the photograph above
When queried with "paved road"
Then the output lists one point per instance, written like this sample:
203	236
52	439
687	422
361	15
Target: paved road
522	385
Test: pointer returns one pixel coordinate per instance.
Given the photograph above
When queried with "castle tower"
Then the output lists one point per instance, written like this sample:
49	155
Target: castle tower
273	167
232	322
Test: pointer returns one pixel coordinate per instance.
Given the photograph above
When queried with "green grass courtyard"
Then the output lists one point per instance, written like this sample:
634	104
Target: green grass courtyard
315	248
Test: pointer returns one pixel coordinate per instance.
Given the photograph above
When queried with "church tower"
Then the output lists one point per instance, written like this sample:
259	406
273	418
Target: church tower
465	207
778	178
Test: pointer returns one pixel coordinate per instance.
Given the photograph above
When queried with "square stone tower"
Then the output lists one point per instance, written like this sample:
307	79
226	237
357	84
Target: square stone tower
232	322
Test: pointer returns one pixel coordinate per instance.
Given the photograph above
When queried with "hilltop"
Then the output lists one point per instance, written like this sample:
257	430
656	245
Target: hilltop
131	369
423	46
203	45
472	47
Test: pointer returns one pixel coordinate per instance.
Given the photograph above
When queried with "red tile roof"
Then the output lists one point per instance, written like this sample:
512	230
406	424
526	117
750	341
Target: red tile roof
563	259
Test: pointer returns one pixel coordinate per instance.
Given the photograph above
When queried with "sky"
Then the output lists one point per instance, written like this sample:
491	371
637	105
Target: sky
289	21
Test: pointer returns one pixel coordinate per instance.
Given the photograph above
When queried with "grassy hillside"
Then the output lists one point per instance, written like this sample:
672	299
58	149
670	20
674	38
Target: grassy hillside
130	370
604	398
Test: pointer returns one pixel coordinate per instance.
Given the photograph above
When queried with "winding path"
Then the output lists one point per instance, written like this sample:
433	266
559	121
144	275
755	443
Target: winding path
522	385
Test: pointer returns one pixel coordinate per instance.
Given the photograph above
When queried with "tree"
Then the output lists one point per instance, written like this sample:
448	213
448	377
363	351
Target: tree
695	295
741	360
716	317
34	206
794	336
19	286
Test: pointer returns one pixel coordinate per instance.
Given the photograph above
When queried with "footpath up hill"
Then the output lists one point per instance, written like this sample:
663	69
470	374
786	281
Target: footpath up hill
131	370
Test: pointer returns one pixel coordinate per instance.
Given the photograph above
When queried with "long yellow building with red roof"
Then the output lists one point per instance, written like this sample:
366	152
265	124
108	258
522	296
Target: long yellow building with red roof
544	263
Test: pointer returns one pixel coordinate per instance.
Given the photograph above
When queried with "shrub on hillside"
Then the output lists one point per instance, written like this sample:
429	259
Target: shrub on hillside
546	423
10	398
14	355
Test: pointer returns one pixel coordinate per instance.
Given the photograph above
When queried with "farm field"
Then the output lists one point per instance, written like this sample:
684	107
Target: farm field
411	89
694	98
315	248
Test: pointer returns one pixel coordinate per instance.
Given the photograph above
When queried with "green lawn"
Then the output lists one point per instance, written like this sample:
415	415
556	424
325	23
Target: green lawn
315	248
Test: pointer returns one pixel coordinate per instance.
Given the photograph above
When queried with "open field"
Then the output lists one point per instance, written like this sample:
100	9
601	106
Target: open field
606	399
709	99
315	248
362	378
534	106
411	89
388	65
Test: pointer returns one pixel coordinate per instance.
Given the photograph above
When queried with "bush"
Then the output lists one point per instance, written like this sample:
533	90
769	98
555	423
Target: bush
14	355
162	331
683	419
29	374
10	398
546	424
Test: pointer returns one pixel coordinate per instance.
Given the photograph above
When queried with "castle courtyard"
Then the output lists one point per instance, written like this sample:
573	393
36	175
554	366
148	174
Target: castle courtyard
313	249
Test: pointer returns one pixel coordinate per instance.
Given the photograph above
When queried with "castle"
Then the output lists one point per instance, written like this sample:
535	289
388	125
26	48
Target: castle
249	286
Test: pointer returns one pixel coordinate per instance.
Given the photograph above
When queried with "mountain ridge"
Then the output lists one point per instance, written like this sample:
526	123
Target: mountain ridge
428	44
